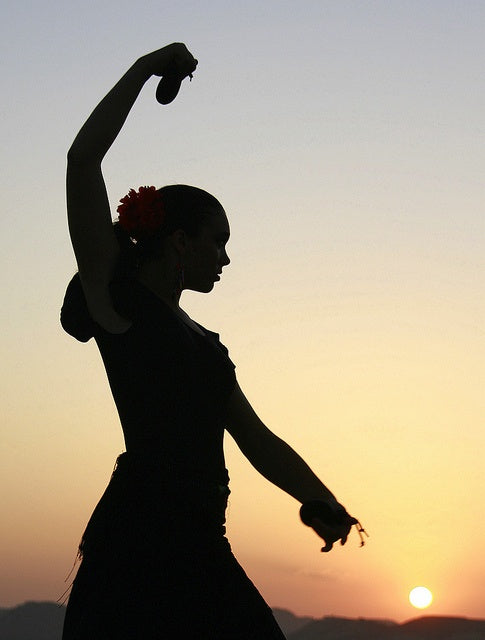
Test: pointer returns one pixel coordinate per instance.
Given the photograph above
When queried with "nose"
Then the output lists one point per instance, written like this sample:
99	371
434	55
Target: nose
225	258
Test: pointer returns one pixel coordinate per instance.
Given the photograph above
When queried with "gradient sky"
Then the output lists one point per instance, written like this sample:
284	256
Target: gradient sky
346	142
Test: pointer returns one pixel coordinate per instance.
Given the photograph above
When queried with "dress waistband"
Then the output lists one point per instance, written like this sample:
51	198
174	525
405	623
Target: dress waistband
144	496
145	466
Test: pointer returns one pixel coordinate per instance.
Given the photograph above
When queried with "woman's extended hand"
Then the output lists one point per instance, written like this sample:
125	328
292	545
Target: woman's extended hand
330	521
331	533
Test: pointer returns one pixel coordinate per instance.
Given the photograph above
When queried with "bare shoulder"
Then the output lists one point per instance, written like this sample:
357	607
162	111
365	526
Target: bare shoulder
115	324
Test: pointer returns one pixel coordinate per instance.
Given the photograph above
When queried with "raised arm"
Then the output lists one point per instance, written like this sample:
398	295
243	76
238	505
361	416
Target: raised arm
282	466
89	216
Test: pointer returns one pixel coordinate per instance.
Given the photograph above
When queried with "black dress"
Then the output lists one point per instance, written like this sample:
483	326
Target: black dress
155	561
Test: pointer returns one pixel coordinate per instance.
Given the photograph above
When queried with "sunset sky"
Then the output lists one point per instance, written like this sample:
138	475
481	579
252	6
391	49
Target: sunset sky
346	141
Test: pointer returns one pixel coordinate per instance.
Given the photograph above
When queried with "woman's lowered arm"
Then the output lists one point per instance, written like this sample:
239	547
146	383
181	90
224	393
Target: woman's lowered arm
281	465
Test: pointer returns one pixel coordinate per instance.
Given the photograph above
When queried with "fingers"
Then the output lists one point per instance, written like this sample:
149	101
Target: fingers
174	60
184	62
330	534
192	65
184	66
181	64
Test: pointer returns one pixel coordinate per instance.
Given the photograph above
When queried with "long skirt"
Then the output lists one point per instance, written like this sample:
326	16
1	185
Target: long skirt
157	565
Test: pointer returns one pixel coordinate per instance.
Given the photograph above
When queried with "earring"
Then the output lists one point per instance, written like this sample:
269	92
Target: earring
180	278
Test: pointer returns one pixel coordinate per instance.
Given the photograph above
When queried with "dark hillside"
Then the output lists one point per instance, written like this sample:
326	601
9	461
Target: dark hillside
43	621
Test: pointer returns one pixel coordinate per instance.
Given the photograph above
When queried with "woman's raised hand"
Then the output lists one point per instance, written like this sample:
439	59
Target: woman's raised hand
174	63
174	58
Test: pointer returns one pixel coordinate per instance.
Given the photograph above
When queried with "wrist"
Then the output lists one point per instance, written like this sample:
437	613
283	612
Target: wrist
323	496
333	513
143	68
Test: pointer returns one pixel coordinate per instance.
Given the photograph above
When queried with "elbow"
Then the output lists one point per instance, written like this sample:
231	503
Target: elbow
253	443
79	157
74	156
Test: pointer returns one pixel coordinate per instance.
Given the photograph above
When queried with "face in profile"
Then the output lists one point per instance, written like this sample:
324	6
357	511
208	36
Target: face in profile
206	254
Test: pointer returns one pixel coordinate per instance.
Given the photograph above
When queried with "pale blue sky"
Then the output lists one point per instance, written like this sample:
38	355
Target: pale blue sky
346	141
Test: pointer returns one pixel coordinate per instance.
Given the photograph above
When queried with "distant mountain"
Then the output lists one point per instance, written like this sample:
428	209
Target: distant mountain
425	628
331	628
32	621
445	628
290	623
43	621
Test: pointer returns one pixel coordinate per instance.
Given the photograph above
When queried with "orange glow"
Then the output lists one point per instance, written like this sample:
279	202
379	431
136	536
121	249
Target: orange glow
353	306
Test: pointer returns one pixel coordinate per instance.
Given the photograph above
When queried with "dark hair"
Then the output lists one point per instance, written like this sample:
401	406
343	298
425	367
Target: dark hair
186	207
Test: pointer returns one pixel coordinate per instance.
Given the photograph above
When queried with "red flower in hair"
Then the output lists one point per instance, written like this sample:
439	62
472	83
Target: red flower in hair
141	212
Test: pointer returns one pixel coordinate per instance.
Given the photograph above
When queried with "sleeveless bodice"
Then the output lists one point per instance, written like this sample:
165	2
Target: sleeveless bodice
170	383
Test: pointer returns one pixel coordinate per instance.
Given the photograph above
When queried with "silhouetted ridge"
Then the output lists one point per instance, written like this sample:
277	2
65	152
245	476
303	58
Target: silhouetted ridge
289	622
43	621
446	627
32	621
333	628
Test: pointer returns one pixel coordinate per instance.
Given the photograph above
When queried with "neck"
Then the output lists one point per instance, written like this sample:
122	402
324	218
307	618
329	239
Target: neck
162	281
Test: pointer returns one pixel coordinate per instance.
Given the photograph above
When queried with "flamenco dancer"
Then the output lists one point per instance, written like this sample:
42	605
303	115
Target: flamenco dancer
155	561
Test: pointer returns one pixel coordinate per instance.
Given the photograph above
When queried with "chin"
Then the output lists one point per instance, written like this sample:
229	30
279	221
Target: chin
203	288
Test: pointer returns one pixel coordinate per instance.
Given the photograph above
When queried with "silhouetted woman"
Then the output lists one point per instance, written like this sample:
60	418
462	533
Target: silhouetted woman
155	561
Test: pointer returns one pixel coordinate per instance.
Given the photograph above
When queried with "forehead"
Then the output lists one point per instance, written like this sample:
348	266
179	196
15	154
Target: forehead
218	224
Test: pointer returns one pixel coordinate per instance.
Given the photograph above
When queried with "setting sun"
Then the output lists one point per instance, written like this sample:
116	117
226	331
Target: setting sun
420	597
